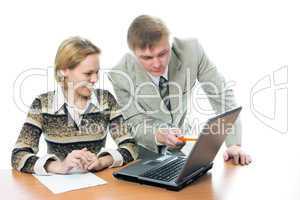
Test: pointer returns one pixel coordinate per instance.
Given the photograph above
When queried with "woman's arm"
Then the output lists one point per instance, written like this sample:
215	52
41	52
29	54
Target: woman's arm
120	132
24	156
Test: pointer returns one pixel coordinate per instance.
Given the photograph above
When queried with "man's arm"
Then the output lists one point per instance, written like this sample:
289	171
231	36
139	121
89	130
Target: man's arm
220	96
144	127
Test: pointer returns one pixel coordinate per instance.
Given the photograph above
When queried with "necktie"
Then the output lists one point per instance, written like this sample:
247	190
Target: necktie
164	91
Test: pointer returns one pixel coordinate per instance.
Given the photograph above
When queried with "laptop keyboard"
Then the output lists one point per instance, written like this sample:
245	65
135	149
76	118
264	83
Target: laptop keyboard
166	172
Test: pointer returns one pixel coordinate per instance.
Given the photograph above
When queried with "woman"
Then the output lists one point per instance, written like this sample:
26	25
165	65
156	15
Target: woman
73	119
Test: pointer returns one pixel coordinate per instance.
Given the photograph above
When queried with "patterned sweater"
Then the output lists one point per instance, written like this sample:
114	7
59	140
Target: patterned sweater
63	135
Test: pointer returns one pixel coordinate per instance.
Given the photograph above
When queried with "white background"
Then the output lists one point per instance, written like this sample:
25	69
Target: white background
247	40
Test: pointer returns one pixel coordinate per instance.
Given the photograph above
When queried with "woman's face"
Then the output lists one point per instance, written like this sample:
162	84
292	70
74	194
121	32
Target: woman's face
82	78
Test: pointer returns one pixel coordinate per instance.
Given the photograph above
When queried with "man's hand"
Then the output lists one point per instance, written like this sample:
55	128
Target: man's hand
237	155
169	137
101	163
77	160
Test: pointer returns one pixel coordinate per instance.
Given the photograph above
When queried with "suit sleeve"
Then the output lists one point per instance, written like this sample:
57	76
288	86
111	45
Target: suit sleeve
220	95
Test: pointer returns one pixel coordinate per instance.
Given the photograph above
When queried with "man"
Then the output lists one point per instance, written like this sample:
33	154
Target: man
154	83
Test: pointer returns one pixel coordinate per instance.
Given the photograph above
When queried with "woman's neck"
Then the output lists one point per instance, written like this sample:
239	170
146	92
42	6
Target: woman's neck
75	99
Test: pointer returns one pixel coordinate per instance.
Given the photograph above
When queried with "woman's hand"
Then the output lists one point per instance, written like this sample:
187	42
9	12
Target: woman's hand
101	163
77	160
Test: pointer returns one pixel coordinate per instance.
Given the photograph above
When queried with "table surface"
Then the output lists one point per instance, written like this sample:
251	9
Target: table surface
274	174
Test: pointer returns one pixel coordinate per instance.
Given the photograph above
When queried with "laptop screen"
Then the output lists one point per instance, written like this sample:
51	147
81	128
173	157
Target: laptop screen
209	142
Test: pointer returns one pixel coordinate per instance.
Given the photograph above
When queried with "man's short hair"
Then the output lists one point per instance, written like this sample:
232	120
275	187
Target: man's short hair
145	32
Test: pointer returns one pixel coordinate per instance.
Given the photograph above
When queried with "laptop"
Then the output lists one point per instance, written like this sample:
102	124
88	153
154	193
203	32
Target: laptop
174	172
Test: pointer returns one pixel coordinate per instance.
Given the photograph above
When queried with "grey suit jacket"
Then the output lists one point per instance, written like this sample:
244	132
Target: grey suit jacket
142	106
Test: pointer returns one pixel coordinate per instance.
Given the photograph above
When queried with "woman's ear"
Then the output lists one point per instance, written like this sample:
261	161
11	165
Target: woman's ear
62	72
60	75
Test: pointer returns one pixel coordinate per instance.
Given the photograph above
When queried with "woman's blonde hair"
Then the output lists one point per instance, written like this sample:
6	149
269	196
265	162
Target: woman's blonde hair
71	52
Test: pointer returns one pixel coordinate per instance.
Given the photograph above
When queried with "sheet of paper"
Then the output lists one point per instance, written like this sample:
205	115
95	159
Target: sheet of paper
63	183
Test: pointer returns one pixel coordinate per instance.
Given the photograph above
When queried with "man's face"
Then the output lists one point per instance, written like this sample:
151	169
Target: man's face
155	59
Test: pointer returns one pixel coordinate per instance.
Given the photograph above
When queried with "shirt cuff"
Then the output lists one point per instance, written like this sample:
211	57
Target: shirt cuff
117	157
39	167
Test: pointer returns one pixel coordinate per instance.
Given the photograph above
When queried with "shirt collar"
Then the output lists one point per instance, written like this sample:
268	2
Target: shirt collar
155	79
59	100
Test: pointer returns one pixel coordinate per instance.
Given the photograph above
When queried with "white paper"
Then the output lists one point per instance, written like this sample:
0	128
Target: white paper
63	183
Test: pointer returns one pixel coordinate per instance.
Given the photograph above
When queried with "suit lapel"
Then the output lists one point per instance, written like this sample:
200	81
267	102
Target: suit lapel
177	80
151	97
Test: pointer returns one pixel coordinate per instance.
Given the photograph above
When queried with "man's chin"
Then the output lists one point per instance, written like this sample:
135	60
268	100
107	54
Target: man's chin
160	73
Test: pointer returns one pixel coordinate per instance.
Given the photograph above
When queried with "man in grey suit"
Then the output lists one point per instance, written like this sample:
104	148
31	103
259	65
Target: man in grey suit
154	83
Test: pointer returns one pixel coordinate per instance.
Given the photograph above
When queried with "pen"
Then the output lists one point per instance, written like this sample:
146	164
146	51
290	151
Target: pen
186	139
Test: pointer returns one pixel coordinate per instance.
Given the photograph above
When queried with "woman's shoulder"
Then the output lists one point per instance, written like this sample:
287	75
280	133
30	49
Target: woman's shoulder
103	93
45	97
105	96
43	100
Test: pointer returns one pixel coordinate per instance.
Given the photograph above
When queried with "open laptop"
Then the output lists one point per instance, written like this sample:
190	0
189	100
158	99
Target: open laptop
174	172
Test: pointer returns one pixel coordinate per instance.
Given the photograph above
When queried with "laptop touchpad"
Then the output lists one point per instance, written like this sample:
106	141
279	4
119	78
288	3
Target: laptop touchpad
151	162
157	161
